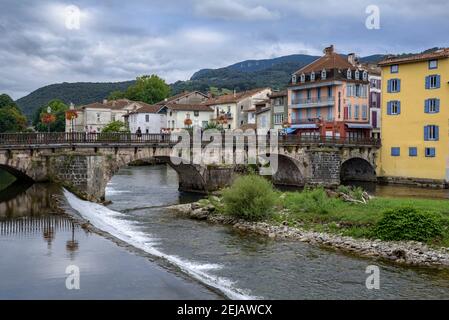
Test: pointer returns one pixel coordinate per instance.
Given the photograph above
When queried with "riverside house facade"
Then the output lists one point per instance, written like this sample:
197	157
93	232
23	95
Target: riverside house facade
95	116
235	110
279	109
415	118
147	119
329	97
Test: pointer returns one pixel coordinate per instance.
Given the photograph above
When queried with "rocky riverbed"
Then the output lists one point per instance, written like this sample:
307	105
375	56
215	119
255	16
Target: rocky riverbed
402	252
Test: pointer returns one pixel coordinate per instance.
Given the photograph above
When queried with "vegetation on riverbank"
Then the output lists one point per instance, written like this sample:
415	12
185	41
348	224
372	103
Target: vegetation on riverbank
344	212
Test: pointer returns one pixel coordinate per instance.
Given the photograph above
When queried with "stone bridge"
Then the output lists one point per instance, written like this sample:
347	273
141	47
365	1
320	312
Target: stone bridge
85	163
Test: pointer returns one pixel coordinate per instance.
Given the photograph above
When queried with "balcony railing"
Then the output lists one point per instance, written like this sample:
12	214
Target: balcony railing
322	101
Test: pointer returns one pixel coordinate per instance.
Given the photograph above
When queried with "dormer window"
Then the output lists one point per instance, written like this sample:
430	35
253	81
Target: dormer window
348	74
323	74
303	77
365	75
357	75
294	78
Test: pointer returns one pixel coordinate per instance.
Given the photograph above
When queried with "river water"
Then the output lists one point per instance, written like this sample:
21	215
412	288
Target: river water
149	252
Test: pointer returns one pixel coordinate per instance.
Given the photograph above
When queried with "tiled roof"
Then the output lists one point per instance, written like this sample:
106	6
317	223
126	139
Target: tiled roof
95	105
118	104
440	53
178	96
146	108
277	94
330	60
232	98
189	107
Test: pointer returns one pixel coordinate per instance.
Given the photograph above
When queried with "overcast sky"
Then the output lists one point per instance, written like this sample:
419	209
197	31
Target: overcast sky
120	39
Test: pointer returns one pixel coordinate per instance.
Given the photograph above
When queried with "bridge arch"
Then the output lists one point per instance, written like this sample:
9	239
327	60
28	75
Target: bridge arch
290	172
17	173
357	169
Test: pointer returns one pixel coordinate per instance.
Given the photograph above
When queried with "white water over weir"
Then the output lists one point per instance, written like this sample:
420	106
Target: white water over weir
111	221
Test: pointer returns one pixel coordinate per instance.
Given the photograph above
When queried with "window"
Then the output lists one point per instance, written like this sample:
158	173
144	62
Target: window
365	75
312	76
412	152
357	75
433	64
364	112
329	92
349	111
113	117
432	106
433	81
98	117
330	113
294	78
395	151
356	112
431	133
394	68
348	74
187	115
393	107
394	85
196	113
171	113
147	118
430	152
204	124
303	77
318	93
318	112
309	94
323	74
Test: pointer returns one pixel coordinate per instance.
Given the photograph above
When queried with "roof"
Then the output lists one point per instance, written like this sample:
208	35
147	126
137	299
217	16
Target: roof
148	109
95	105
118	104
189	107
234	97
179	96
276	94
262	102
330	60
263	110
440	53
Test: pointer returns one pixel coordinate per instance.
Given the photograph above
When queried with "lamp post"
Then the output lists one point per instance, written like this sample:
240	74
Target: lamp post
49	112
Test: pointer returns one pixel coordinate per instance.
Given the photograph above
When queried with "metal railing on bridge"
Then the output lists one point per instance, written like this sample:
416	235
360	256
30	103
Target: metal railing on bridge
79	139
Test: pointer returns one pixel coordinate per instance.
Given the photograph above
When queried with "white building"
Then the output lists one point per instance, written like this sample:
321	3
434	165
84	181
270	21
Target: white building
177	115
263	120
238	109
147	119
95	116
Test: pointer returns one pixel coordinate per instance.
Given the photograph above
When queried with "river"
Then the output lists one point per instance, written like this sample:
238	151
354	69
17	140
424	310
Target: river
148	252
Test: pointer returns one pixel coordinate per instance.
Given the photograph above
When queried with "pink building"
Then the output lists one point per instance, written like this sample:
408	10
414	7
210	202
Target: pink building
330	97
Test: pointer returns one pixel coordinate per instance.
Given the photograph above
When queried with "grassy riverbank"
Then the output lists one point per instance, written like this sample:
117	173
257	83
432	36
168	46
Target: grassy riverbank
344	212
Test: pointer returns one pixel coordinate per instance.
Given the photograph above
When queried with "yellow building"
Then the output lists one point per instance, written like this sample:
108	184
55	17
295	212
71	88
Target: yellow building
415	115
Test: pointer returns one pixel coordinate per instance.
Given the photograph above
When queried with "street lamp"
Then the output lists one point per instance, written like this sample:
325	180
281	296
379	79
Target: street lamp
49	112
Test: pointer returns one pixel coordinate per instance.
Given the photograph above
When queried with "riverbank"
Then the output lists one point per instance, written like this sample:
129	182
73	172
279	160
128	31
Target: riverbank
332	230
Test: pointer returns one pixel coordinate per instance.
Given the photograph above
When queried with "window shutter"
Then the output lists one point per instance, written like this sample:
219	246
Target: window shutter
426	133
438	80
399	107
399	85
437	105
389	86
437	133
389	107
427	82
432	152
426	106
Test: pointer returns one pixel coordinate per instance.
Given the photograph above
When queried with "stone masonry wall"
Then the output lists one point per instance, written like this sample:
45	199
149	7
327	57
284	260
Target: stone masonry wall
324	167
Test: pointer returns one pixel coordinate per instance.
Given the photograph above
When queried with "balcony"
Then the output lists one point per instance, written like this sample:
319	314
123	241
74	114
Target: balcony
312	102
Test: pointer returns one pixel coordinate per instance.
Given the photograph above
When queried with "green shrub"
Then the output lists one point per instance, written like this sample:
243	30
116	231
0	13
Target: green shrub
310	201
250	197
408	224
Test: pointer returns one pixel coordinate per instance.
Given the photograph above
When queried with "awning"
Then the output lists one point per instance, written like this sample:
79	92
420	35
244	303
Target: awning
289	130
359	126
305	126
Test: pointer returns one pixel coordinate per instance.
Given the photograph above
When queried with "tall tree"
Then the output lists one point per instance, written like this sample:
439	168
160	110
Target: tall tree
149	89
11	117
58	109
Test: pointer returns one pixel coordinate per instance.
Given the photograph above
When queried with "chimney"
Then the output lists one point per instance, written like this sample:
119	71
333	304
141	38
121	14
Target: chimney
329	50
105	101
234	93
352	59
